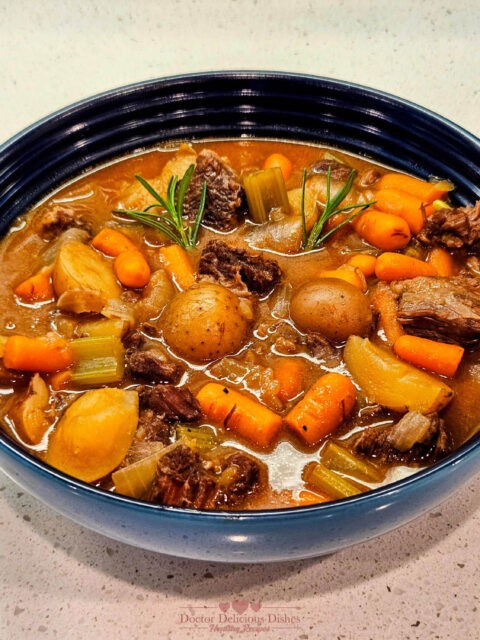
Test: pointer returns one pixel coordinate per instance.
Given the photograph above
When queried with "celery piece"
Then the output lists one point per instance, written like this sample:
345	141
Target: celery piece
205	437
440	204
265	191
332	484
136	479
102	328
98	360
98	371
337	458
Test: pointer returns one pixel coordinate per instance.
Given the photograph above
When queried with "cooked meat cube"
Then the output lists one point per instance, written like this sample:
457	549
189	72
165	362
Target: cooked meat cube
134	339
239	270
368	178
338	171
225	195
415	439
173	404
445	309
244	477
182	482
152	366
453	228
318	346
57	219
183	479
152	427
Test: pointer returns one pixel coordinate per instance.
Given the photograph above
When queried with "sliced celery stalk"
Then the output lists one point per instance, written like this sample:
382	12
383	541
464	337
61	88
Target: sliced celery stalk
136	479
265	191
337	458
331	483
205	437
102	328
98	360
98	371
438	205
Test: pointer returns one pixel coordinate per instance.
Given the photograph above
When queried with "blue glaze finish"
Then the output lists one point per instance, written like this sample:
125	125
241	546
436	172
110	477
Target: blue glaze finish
232	104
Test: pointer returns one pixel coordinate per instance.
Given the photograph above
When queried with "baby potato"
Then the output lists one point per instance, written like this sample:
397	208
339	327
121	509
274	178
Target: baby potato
205	322
94	434
332	307
79	267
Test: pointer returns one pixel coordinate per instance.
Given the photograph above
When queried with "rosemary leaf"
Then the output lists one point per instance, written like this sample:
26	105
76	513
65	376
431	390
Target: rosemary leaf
170	220
330	208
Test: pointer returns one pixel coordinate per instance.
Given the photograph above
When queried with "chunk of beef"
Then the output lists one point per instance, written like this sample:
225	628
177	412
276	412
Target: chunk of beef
440	308
225	196
239	270
338	171
184	479
368	178
453	228
58	219
153	427
152	366
415	439
172	404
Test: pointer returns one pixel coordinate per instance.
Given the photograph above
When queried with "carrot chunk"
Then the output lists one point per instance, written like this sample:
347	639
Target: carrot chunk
280	161
426	191
289	372
365	262
437	357
132	269
396	266
349	274
442	261
178	265
324	407
37	288
402	204
239	413
383	230
112	242
47	353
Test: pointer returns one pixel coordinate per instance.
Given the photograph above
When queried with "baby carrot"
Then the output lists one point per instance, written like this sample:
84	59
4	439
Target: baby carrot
365	262
112	242
289	372
437	357
60	380
239	413
281	161
383	230
47	353
37	288
402	204
385	305
442	262
178	265
323	408
132	269
426	191
396	266
346	272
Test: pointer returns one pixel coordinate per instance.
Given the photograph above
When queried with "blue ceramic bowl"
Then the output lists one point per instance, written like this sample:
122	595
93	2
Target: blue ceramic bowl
234	104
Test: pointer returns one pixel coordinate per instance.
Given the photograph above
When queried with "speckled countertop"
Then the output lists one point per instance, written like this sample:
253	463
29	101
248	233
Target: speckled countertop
59	580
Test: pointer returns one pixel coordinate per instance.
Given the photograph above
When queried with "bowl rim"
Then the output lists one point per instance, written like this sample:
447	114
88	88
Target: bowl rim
463	454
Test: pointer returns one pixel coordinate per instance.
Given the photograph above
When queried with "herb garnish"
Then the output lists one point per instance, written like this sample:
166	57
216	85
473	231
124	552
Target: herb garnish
331	208
171	221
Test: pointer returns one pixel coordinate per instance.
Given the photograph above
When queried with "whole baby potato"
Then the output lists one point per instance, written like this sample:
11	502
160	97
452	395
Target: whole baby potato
205	322
332	307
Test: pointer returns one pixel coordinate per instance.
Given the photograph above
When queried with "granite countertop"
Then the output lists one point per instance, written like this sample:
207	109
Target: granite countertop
62	581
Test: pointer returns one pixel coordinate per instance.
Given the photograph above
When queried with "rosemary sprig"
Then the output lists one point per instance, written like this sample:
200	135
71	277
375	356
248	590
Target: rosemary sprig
170	221
331	208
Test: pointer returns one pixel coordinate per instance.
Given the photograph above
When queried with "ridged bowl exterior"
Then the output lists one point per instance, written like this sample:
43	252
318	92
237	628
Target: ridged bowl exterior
229	105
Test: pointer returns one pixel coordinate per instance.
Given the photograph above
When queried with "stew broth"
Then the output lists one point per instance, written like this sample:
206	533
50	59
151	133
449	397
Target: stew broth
253	366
